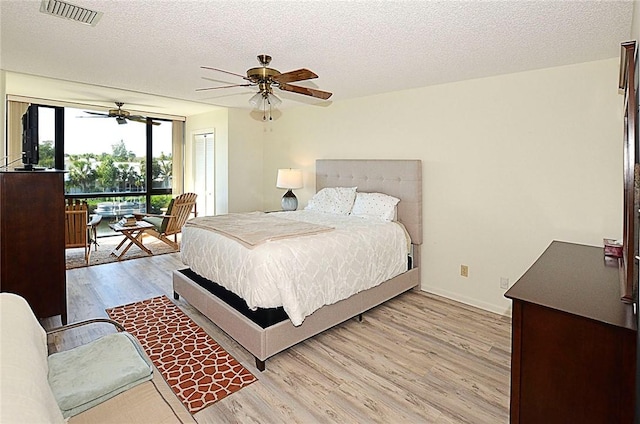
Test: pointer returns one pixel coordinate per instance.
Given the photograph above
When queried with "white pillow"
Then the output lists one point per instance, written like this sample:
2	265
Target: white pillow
335	200
376	205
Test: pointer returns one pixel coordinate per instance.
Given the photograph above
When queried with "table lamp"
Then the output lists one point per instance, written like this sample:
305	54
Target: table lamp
289	179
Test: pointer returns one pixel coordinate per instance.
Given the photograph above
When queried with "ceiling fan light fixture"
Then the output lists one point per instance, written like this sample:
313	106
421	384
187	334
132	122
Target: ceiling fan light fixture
120	115
266	79
273	100
265	101
262	100
257	100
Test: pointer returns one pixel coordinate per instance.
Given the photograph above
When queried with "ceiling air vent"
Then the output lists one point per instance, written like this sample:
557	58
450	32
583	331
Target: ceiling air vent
69	11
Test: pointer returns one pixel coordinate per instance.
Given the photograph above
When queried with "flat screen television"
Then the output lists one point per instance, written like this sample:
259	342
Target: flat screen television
30	139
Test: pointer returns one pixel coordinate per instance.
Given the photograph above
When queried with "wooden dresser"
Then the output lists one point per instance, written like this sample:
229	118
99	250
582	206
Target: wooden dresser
573	341
32	254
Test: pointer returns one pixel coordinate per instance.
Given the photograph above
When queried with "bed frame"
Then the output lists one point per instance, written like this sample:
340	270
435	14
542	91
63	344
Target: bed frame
398	178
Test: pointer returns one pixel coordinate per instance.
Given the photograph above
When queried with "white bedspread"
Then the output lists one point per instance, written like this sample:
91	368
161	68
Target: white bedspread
252	229
301	274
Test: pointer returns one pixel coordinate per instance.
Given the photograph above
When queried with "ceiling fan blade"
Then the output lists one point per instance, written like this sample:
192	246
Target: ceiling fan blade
142	119
293	76
96	113
137	118
324	95
224	86
226	72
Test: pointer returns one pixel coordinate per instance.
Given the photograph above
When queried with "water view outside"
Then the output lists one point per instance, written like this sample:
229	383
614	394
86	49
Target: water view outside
107	162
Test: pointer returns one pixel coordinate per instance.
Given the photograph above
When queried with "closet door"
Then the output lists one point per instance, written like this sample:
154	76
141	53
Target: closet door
205	173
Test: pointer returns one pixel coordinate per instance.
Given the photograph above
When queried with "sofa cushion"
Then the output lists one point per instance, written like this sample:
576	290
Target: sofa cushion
90	374
158	222
25	396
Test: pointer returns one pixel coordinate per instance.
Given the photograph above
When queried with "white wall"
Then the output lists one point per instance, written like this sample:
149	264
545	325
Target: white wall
216	122
635	24
510	163
239	158
246	147
3	114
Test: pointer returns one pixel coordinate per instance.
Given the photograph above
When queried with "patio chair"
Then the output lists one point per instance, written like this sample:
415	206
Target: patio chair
93	224
76	230
171	223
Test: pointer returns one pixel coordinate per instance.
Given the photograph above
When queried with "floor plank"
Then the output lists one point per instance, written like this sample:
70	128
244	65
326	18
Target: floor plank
417	358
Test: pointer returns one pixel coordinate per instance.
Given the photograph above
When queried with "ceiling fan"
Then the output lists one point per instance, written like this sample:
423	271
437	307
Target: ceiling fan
266	78
121	115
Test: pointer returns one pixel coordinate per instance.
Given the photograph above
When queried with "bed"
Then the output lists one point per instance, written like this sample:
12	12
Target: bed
265	332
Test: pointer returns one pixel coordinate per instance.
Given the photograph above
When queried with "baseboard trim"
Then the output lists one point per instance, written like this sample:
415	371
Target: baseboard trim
496	309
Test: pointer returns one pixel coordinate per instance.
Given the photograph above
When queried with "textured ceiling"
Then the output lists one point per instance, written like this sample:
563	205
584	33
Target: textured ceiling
358	48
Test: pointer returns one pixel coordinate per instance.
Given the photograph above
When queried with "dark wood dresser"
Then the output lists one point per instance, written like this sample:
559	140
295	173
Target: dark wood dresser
573	354
32	254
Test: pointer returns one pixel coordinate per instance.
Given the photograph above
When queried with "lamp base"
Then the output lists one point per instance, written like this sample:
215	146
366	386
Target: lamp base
289	201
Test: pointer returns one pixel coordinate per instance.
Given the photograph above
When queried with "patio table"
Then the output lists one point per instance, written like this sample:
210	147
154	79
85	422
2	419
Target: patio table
133	234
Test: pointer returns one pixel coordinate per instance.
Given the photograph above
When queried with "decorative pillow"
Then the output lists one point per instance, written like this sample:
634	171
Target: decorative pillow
336	200
376	205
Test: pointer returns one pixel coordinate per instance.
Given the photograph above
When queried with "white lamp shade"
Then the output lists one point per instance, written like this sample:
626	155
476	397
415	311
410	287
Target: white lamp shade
261	99
273	100
256	100
289	178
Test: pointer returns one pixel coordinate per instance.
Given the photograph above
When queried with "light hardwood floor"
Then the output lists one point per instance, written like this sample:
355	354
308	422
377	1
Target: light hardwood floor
418	358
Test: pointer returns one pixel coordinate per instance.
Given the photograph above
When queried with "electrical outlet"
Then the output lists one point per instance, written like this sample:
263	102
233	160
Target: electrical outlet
504	283
464	270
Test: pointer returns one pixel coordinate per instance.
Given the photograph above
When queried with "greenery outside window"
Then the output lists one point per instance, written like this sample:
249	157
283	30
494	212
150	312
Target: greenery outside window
117	168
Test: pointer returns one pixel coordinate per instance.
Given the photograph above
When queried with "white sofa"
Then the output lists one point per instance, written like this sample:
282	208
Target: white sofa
26	395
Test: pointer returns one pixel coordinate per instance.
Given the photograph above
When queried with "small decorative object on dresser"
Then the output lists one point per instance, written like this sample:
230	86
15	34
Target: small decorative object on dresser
612	248
289	179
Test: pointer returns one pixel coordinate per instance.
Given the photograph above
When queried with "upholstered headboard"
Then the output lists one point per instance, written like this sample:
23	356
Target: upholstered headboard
398	178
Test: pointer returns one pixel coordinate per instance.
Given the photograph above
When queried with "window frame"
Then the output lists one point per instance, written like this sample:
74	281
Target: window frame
148	192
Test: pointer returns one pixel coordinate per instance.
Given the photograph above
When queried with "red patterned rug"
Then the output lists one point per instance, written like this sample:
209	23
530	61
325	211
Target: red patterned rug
199	371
